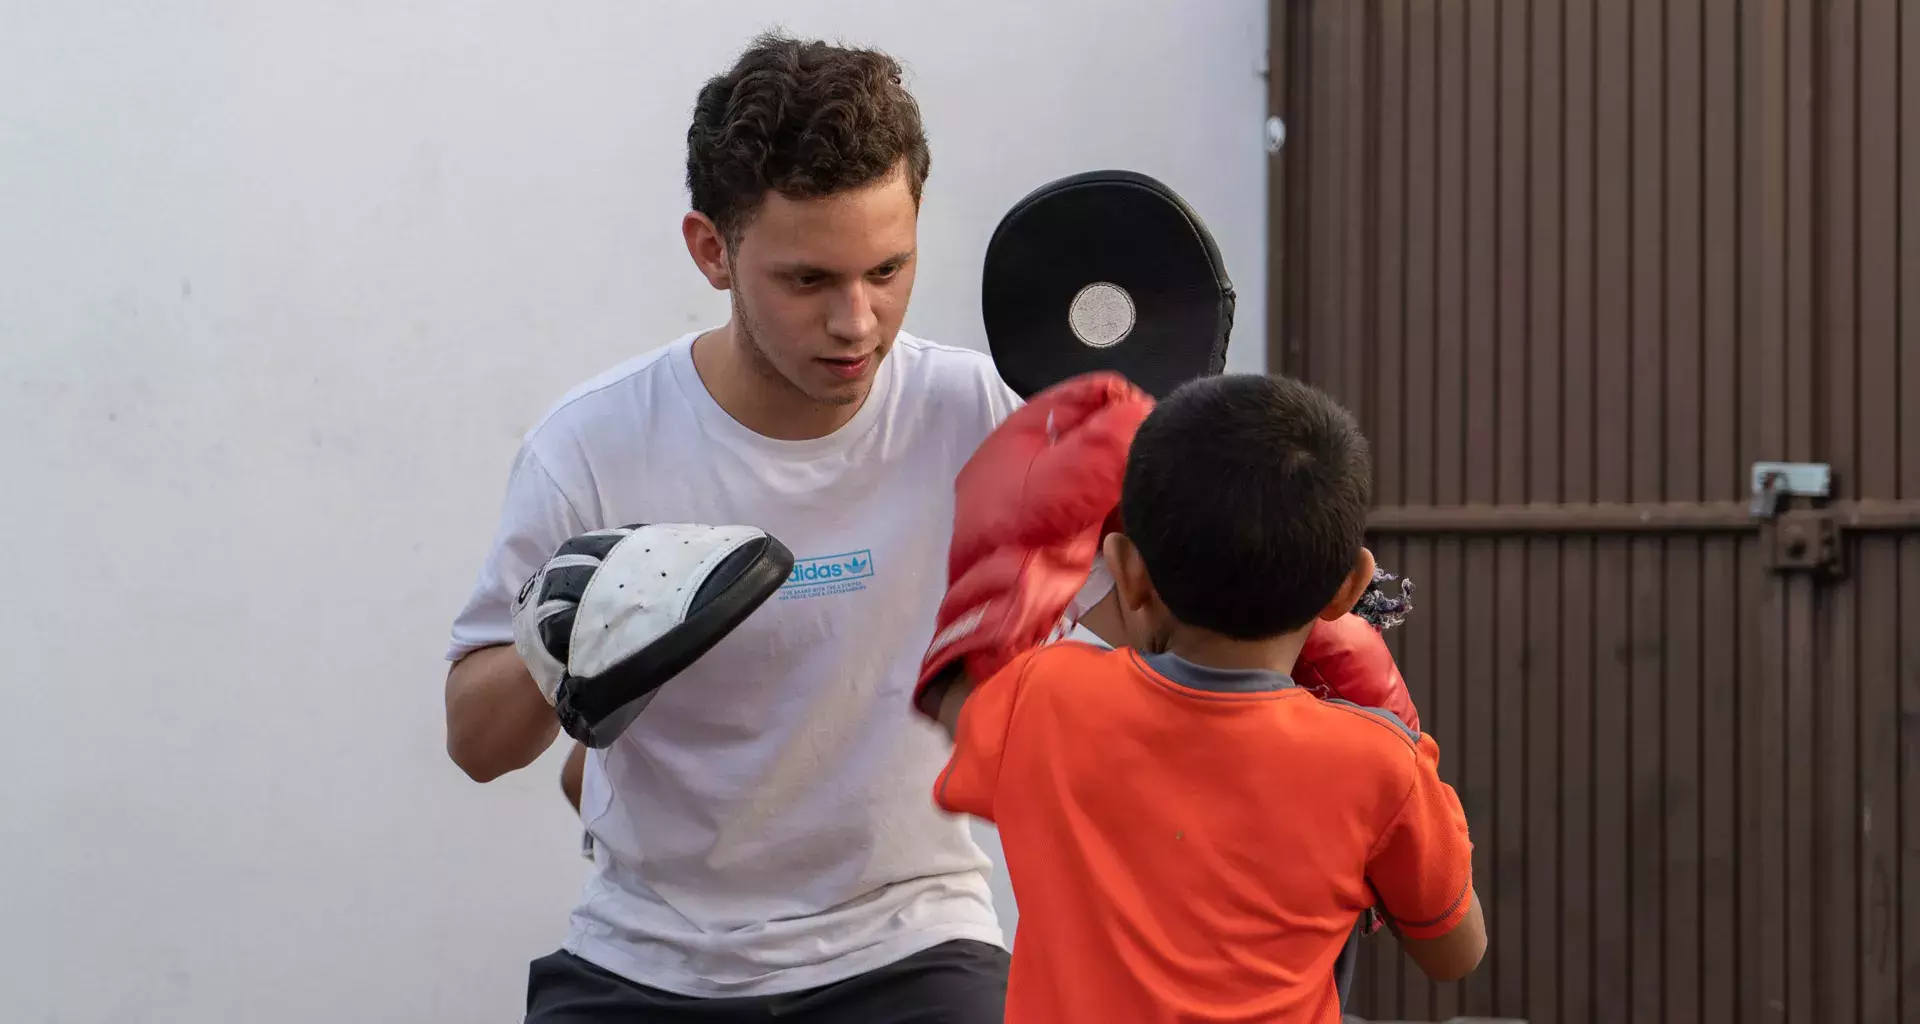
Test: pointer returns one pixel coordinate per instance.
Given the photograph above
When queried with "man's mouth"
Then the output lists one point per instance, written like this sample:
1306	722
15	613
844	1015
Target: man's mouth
848	369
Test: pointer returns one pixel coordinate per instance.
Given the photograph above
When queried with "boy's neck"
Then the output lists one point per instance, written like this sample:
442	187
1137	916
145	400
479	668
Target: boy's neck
1211	650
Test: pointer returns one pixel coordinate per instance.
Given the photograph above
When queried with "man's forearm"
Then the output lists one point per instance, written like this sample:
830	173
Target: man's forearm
573	773
497	722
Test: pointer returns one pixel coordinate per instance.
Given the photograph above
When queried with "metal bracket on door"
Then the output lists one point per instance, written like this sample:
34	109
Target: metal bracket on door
1800	539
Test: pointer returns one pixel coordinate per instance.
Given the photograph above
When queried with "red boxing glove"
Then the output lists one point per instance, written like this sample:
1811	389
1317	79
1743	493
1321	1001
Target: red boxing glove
1347	658
1028	510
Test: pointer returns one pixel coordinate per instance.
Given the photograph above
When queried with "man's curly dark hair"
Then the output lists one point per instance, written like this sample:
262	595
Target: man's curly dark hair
804	119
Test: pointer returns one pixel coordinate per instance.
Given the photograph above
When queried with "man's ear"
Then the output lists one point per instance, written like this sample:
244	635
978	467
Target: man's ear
708	249
1128	570
1356	584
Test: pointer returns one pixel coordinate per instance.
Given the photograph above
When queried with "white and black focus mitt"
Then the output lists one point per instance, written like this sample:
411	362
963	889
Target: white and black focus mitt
616	613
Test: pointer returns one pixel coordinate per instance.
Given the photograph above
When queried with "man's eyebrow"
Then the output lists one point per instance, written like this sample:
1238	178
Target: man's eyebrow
801	270
805	269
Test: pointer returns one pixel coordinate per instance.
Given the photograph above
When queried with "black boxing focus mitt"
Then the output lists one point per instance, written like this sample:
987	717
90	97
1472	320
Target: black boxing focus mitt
615	614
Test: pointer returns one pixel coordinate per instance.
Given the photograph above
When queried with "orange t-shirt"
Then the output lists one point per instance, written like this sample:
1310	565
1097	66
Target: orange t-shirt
1192	844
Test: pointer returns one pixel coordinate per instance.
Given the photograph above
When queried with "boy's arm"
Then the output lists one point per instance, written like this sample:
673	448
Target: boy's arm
952	700
978	717
1451	956
1422	868
1028	507
1096	609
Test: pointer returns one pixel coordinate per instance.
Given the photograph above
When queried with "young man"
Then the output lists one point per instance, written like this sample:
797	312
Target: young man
1190	835
762	835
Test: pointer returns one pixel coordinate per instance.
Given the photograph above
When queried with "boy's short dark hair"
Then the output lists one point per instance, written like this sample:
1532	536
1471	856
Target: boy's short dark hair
1247	496
804	119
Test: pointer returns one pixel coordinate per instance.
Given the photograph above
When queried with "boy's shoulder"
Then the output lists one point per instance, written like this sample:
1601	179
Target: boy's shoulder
1386	722
1076	656
1065	668
1372	753
1360	737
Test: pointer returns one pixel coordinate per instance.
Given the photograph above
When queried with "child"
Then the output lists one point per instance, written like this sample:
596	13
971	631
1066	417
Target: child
1190	836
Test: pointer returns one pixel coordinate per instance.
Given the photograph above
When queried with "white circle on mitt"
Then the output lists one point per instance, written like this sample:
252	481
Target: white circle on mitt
1101	314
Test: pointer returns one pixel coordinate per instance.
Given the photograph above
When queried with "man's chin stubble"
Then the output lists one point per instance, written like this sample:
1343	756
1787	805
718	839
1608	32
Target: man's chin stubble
763	366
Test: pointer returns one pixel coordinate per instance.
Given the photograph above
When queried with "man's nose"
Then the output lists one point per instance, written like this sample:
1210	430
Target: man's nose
852	318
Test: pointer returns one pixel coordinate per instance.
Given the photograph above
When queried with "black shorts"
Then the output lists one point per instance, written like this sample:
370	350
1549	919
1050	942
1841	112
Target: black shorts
958	982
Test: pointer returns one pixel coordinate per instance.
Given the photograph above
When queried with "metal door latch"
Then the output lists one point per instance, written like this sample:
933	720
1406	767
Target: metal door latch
1775	480
1803	538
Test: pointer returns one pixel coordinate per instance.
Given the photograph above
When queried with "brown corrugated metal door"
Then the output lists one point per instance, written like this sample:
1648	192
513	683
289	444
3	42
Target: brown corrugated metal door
1580	265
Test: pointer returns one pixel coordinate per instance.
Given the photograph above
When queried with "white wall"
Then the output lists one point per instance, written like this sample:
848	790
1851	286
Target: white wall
281	284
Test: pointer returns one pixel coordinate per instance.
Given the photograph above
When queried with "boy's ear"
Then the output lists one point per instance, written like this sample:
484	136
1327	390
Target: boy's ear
1356	584
1128	570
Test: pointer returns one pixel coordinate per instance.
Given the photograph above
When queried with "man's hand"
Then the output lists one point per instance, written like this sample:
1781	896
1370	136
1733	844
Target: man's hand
617	613
1028	509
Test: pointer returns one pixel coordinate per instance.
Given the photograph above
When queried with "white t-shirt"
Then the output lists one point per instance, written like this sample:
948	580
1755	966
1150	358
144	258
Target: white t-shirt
767	824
